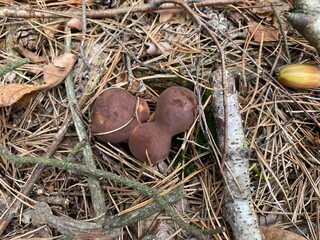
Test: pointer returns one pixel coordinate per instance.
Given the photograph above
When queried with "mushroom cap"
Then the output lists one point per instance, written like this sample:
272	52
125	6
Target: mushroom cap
176	109
114	115
150	138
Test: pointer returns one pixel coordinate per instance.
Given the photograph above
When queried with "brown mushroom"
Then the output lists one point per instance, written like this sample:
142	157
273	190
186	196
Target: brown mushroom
177	109
175	113
115	114
150	141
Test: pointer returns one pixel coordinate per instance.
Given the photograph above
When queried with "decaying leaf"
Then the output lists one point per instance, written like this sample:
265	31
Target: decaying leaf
279	234
33	57
269	34
167	14
54	74
262	9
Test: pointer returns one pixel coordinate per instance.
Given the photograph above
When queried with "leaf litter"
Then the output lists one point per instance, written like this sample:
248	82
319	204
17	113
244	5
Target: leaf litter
282	138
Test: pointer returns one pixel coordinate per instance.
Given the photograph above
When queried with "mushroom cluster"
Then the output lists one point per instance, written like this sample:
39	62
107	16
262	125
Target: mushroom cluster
115	114
118	116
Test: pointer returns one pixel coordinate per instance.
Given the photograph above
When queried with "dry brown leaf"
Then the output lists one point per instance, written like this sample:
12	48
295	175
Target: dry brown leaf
279	234
262	9
11	93
167	14
269	34
28	54
54	73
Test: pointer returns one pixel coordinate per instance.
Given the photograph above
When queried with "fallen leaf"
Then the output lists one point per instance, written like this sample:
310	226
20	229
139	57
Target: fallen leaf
269	34
262	9
271	233
28	54
54	74
165	16
11	93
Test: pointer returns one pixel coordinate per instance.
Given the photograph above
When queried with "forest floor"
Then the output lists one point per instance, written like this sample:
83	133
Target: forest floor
132	46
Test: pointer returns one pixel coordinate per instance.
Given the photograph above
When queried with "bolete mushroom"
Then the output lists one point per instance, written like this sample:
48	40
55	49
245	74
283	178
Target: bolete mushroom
150	140
175	113
115	114
177	109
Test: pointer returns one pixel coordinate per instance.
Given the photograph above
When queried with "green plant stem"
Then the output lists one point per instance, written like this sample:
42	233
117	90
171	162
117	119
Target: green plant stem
79	146
12	66
118	221
145	190
98	199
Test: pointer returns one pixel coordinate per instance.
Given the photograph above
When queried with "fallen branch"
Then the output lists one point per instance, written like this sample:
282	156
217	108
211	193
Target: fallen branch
42	214
111	227
12	66
238	208
146	191
305	19
129	218
149	7
96	192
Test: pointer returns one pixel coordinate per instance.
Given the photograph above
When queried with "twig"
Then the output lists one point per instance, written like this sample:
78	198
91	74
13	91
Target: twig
12	66
84	31
42	214
111	227
129	218
87	170
79	146
97	195
284	36
150	7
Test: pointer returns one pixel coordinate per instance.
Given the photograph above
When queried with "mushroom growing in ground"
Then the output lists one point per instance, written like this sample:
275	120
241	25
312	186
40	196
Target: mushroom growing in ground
150	140
177	109
175	113
115	114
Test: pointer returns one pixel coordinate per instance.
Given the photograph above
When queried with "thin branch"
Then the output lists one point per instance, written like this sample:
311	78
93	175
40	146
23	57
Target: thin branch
129	218
284	36
87	170
149	7
111	226
97	194
12	66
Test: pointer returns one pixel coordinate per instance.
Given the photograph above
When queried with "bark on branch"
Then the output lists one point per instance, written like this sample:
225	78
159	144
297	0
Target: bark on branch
145	190
305	18
238	208
149	7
